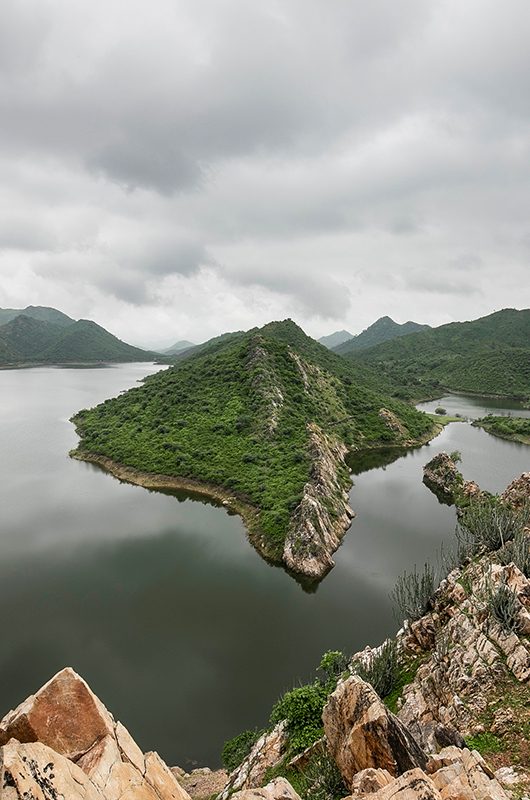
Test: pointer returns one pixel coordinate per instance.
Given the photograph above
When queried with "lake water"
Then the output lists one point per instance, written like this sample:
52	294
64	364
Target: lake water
184	632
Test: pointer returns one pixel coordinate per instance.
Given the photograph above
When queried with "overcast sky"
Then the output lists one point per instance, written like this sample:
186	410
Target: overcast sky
177	168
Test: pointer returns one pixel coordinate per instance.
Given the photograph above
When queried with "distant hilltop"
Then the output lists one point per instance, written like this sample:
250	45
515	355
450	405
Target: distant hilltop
43	335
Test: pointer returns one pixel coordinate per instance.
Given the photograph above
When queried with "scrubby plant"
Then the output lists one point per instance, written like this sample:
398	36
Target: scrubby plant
413	592
237	749
332	664
302	708
321	779
487	524
502	604
381	670
440	410
456	456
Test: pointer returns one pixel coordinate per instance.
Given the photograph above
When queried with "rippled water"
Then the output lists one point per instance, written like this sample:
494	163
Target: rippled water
161	603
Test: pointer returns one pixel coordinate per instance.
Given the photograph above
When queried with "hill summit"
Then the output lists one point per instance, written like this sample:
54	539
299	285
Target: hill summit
262	420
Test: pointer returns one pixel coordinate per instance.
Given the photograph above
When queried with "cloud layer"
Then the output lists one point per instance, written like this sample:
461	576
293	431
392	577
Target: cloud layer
180	168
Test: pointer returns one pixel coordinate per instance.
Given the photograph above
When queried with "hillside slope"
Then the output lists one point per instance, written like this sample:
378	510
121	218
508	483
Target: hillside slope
382	330
267	416
334	339
489	355
42	313
33	339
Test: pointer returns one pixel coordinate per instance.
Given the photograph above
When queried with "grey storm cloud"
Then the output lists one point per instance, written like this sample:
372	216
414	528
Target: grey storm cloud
217	163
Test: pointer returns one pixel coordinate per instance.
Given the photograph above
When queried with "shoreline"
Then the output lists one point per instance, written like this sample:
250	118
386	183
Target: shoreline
153	481
515	438
248	513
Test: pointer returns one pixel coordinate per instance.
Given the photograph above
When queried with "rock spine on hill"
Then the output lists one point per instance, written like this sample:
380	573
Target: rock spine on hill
324	514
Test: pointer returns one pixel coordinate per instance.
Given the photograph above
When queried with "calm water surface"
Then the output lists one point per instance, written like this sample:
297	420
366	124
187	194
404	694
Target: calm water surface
161	603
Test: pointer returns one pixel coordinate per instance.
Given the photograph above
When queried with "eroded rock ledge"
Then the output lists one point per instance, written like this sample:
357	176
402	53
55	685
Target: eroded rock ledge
324	513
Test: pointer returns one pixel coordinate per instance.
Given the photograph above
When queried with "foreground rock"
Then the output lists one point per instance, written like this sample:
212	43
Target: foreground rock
63	723
517	494
324	513
362	733
470	658
453	773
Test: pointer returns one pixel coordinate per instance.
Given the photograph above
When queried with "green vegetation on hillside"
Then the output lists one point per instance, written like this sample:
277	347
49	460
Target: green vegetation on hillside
516	429
490	355
45	335
236	415
383	330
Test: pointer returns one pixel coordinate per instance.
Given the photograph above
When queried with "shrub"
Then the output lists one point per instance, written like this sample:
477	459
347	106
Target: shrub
440	410
237	749
321	779
382	669
413	592
488	524
302	708
456	456
332	665
502	604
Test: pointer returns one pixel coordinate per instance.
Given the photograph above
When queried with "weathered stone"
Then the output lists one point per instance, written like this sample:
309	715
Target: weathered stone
467	777
279	789
266	753
412	785
159	776
361	732
33	771
441	476
370	780
64	715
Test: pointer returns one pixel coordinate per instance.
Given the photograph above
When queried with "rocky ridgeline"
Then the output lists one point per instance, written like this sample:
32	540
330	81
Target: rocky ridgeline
324	514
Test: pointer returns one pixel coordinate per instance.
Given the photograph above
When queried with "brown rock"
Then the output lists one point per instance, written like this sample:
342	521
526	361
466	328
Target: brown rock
370	780
64	715
412	785
361	732
517	494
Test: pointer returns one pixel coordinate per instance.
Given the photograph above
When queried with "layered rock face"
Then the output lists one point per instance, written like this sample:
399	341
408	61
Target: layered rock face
63	743
324	513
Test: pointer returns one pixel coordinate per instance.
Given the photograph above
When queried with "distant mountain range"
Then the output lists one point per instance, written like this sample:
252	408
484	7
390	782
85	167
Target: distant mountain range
490	355
178	347
334	339
383	330
38	334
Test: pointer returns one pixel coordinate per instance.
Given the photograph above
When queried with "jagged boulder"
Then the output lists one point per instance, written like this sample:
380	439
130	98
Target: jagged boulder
453	774
63	723
64	714
361	732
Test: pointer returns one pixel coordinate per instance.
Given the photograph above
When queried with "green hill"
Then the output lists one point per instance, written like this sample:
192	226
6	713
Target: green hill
33	340
490	355
88	341
383	330
42	313
178	347
266	416
334	339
